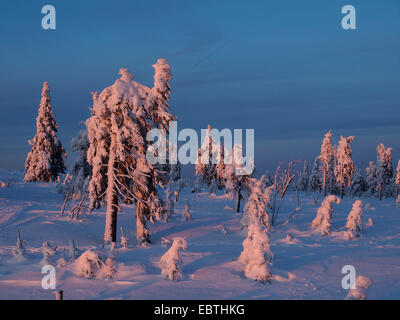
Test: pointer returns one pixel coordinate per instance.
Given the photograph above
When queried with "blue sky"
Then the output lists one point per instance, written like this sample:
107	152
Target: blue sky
285	68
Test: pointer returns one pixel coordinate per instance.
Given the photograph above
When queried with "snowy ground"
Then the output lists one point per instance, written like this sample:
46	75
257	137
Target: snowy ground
307	267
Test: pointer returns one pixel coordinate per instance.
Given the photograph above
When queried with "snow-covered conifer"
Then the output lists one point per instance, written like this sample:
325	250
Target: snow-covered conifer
354	222
344	168
186	215
169	203
327	158
45	162
122	116
170	262
256	255
257	204
358	184
220	167
384	170
207	156
236	184
371	178
323	220
397	181
81	169
315	181
303	183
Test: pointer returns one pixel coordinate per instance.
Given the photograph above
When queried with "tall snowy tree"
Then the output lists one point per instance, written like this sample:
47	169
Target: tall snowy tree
344	168
122	116
327	158
220	168
315	181
45	162
384	170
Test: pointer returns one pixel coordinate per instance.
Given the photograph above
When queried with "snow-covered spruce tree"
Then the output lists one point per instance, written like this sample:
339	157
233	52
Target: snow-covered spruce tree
220	168
235	183
327	158
256	255
175	174
122	116
323	220
81	169
358	185
186	214
384	170
205	166
45	162
315	181
344	168
257	203
170	262
354	222
303	183
371	178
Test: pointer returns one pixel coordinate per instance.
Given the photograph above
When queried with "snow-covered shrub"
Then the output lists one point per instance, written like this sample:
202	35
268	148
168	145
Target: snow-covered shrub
62	261
88	264
45	162
360	292
323	220
186	215
224	229
354	222
48	251
170	262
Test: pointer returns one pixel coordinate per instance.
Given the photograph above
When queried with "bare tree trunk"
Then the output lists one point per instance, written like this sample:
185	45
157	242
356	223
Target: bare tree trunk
110	233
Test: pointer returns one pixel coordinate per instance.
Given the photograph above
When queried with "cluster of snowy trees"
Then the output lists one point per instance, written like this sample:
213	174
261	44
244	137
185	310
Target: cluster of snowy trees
334	172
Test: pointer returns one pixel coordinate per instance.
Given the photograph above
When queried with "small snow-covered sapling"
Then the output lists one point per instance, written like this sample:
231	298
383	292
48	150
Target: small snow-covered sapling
186	214
124	239
170	262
